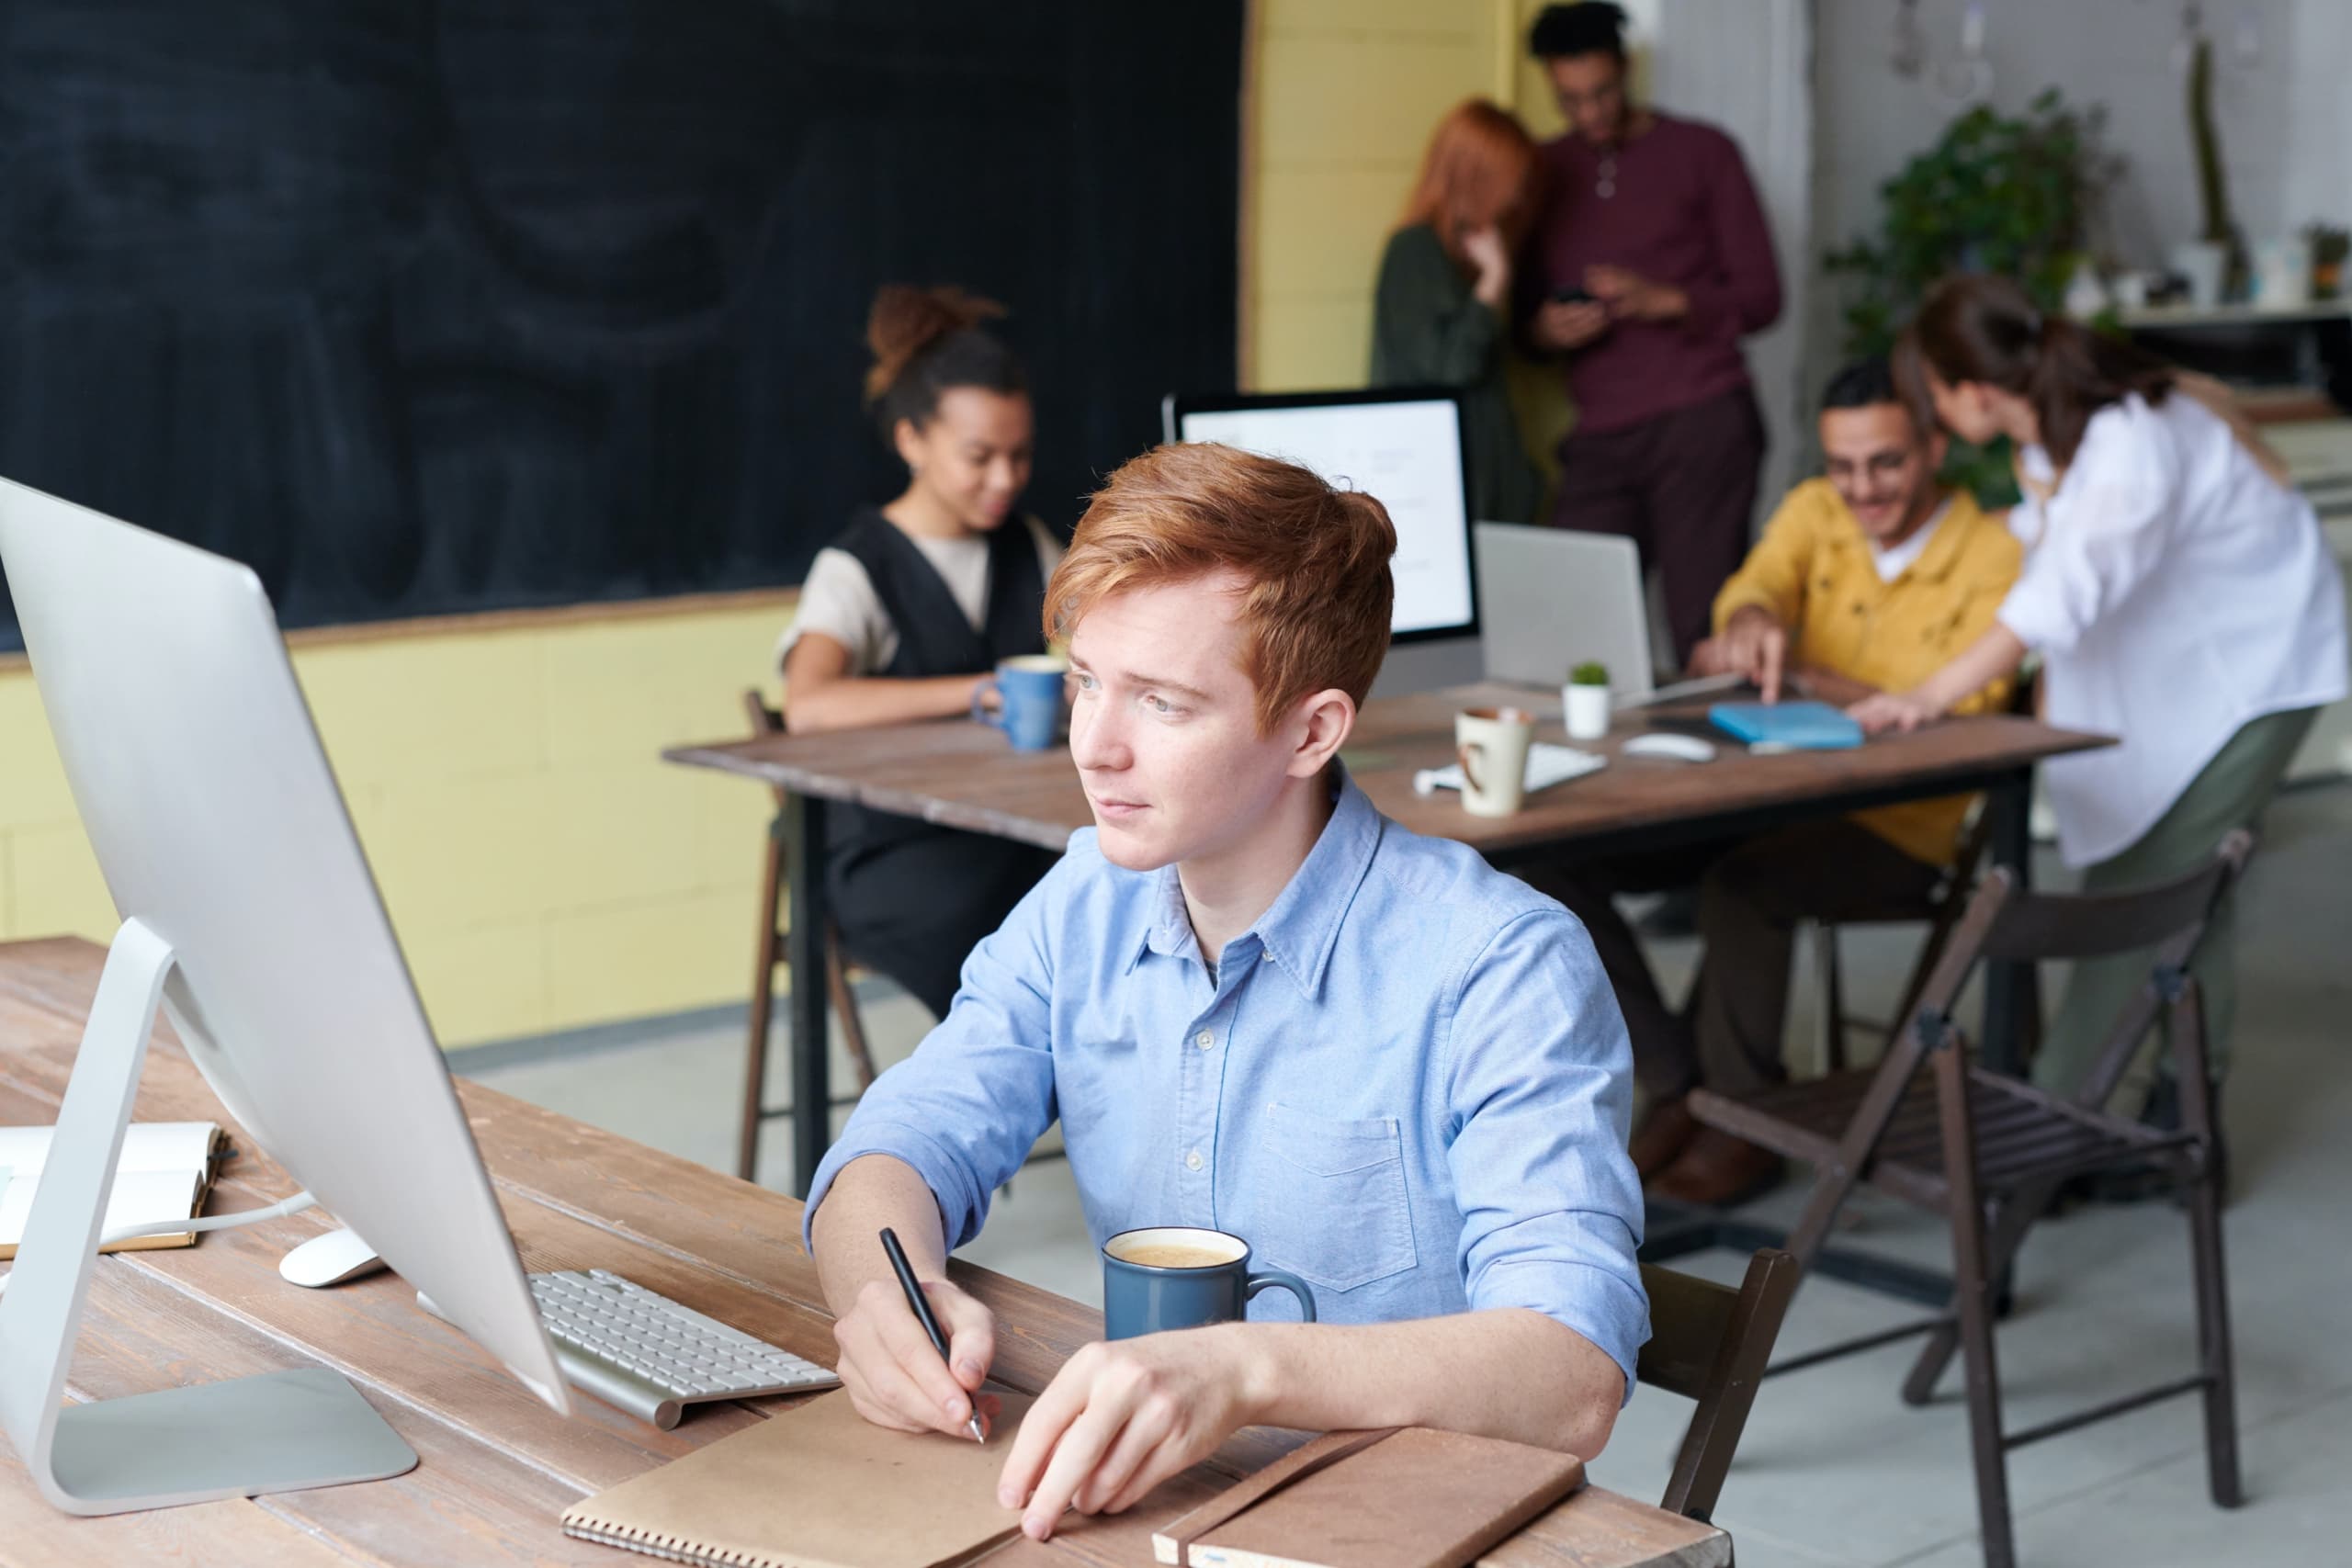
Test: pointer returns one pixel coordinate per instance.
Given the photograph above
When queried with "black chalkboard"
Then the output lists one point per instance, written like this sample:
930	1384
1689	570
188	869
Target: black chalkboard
429	308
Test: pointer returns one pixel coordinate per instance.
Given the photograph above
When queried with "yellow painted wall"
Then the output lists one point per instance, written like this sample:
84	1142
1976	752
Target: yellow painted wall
544	871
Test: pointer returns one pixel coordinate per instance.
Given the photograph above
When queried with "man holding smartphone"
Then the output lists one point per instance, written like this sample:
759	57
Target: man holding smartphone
1649	263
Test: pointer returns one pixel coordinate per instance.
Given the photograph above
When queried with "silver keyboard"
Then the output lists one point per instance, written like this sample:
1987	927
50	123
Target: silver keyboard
645	1353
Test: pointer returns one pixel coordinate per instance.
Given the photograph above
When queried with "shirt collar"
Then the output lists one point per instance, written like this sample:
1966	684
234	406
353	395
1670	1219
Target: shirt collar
1300	928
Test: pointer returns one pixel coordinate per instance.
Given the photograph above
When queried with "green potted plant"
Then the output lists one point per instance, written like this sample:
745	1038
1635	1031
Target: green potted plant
1996	193
1584	701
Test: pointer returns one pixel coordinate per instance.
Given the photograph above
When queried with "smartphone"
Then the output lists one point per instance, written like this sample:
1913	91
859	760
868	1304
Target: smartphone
1571	295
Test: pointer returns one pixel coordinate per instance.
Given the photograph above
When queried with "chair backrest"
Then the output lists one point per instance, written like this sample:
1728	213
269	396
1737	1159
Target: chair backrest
1710	1343
2002	924
766	720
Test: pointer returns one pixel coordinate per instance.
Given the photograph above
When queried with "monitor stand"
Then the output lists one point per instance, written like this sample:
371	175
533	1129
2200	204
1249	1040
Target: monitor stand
276	1432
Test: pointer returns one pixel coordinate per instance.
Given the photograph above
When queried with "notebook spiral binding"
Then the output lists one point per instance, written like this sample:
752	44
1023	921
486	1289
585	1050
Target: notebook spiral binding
670	1548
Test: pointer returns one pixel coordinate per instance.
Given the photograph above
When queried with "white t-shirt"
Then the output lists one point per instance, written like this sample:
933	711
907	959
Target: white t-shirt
839	600
1892	563
2174	591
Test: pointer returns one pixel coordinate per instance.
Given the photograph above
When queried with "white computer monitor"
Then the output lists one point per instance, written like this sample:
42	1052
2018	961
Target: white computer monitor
1401	447
249	908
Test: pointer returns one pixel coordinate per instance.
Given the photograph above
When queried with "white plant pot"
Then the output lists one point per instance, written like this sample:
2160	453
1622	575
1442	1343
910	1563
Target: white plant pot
2204	264
1587	711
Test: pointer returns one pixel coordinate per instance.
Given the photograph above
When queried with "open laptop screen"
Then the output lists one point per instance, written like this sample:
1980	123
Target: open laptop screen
1403	448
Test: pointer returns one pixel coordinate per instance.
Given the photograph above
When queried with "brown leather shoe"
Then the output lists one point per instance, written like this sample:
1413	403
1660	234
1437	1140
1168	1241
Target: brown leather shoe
1717	1170
1664	1134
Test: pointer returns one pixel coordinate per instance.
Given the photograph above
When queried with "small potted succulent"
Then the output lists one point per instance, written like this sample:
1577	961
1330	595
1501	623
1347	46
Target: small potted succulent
1585	701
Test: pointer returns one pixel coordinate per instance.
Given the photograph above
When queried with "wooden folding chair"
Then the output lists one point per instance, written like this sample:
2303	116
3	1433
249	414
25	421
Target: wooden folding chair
770	953
1989	1152
1710	1343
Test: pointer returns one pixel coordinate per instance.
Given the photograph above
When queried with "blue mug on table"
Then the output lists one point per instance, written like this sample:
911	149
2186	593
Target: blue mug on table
1168	1276
1029	698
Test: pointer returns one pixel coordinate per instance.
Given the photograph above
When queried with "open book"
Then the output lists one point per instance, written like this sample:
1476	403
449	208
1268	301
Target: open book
164	1170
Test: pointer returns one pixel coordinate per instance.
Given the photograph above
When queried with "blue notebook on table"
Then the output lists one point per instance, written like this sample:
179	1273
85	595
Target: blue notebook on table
1800	726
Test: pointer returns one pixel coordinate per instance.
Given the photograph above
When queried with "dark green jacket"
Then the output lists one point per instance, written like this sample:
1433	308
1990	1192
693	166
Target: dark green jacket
1427	331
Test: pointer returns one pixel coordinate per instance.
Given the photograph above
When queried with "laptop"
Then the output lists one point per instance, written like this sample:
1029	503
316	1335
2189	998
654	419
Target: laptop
1551	599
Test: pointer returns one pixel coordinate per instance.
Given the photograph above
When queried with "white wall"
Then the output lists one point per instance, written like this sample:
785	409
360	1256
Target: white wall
1745	67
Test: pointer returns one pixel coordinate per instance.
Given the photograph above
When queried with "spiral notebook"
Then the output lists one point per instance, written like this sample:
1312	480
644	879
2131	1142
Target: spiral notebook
817	1486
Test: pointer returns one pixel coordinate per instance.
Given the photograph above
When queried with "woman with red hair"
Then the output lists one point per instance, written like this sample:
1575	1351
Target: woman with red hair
1438	316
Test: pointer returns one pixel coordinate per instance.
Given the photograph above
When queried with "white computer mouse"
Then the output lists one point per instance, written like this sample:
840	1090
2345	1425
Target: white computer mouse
1660	743
329	1259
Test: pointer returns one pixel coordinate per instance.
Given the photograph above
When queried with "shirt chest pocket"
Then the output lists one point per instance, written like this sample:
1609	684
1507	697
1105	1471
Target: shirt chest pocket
1342	1218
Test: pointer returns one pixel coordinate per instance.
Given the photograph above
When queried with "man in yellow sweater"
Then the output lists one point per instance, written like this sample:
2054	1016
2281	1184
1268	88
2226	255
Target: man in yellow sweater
1869	578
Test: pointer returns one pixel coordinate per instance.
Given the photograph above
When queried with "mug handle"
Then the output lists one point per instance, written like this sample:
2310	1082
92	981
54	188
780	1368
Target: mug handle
1463	754
979	698
1291	1282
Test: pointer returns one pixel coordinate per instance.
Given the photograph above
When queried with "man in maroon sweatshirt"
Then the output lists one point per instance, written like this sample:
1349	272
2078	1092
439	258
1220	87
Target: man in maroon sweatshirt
1650	262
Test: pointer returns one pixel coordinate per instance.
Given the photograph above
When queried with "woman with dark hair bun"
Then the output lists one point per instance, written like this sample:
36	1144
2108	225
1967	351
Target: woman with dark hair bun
905	614
2181	596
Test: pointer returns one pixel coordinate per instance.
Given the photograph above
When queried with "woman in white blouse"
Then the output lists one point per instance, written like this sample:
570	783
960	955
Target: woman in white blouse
2178	593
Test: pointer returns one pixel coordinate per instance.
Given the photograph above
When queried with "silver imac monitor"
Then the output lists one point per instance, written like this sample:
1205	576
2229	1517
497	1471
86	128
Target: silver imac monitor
249	913
1403	446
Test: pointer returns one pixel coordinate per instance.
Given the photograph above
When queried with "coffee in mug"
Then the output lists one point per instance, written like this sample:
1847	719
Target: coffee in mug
1167	1277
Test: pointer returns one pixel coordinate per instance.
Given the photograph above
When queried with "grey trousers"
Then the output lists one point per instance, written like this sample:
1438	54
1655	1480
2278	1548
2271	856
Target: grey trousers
2230	793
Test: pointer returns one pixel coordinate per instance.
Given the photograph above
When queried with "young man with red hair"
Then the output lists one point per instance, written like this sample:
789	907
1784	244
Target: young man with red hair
1257	1006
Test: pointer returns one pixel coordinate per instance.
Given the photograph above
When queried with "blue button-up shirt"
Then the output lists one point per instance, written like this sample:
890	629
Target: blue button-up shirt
1409	1082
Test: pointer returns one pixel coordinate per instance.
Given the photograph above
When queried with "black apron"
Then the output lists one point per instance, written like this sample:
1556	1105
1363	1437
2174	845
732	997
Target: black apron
910	897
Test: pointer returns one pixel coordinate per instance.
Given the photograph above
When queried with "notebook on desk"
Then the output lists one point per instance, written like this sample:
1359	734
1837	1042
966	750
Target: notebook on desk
1795	726
817	1486
164	1173
1408	1497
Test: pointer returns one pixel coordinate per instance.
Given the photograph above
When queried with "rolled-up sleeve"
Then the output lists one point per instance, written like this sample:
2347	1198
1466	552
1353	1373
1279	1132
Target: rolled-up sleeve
1540	1077
966	1108
2103	534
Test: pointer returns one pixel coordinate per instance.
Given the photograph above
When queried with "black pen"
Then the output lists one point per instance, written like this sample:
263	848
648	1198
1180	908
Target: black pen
915	1299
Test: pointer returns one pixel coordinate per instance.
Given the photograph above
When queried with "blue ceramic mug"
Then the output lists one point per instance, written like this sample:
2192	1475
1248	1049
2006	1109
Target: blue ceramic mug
1183	1276
1029	696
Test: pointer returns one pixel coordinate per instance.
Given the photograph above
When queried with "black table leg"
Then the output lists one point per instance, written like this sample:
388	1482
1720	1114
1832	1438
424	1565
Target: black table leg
813	1094
2011	994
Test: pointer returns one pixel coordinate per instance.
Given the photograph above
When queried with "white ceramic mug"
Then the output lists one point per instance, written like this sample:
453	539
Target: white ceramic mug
1491	745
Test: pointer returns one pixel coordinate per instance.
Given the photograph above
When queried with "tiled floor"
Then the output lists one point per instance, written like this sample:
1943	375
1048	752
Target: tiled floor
1834	1469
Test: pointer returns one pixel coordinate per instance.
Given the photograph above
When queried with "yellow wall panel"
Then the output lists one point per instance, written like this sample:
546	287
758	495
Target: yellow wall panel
58	890
613	697
428	707
674	954
731	816
1343	101
459	853
624	832
33	792
1321	231
485	983
1315	345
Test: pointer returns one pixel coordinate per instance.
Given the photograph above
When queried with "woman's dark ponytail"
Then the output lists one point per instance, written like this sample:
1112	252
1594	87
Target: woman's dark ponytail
1981	328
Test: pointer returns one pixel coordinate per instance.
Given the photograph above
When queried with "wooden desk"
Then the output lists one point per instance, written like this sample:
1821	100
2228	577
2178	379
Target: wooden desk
963	775
499	1468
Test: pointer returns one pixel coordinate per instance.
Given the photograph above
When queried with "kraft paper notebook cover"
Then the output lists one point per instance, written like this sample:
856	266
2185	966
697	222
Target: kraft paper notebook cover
1408	1498
817	1486
164	1172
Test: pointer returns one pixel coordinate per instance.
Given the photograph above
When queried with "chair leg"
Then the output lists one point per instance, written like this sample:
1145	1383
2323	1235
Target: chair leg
853	1022
2013	1217
2213	1352
1973	1283
755	1051
1831	998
